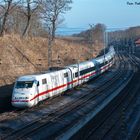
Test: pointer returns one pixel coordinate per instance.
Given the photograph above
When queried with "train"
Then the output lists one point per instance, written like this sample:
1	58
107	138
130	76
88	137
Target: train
29	90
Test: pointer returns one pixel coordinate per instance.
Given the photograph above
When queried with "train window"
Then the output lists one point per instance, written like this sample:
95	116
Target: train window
24	84
111	60
38	83
101	65
76	74
44	81
82	72
106	62
66	74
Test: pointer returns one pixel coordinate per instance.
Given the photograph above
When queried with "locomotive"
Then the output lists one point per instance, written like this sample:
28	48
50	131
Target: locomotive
29	90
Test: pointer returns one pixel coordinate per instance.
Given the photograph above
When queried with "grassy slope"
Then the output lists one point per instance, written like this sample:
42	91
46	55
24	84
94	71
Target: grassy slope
29	55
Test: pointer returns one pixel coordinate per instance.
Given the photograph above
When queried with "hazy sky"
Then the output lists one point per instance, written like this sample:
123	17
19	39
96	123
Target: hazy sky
112	13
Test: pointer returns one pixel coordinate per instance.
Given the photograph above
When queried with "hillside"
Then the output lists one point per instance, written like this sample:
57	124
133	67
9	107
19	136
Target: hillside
124	37
29	55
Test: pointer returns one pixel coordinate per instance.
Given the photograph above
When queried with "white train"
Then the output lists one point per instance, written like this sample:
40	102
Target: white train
31	89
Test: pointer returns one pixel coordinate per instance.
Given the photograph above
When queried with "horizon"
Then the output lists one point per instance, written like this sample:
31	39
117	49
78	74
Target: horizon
68	31
113	14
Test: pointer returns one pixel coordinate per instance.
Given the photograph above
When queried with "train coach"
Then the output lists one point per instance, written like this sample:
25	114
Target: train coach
31	89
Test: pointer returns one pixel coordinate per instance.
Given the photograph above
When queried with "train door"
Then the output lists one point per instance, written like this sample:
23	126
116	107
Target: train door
44	88
97	67
75	77
70	78
36	92
54	84
65	79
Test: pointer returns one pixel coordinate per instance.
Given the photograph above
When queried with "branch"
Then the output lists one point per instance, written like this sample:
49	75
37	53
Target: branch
2	7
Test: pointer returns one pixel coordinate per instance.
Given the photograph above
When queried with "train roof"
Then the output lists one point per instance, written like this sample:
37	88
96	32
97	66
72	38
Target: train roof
27	78
85	63
38	75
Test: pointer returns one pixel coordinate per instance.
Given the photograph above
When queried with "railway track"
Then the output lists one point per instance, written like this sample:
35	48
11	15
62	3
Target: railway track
131	111
108	124
48	120
117	120
137	136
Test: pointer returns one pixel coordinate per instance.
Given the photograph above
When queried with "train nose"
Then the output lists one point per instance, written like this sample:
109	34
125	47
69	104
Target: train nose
20	100
21	103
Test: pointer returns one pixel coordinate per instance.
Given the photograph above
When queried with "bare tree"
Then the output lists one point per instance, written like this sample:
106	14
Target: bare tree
30	7
16	22
6	7
51	11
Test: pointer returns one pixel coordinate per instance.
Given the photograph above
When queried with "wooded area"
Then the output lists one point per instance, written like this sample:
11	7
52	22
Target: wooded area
125	37
32	17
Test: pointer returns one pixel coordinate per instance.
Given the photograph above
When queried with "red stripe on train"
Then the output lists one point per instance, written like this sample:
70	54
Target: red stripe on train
56	88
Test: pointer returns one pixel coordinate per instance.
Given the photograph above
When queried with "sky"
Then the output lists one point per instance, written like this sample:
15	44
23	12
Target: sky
113	13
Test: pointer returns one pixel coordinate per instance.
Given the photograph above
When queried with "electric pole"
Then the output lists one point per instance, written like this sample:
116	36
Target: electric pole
91	37
104	42
50	41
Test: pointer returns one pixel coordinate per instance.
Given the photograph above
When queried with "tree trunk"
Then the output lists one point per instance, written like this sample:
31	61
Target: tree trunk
53	30
5	18
28	18
3	24
27	26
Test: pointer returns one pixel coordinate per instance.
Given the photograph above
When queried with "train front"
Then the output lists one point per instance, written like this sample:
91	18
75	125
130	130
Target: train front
23	92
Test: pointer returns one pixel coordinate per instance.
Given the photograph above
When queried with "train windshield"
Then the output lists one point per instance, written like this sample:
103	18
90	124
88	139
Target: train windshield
24	84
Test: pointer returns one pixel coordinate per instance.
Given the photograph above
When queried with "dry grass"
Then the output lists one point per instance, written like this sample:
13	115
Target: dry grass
20	56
